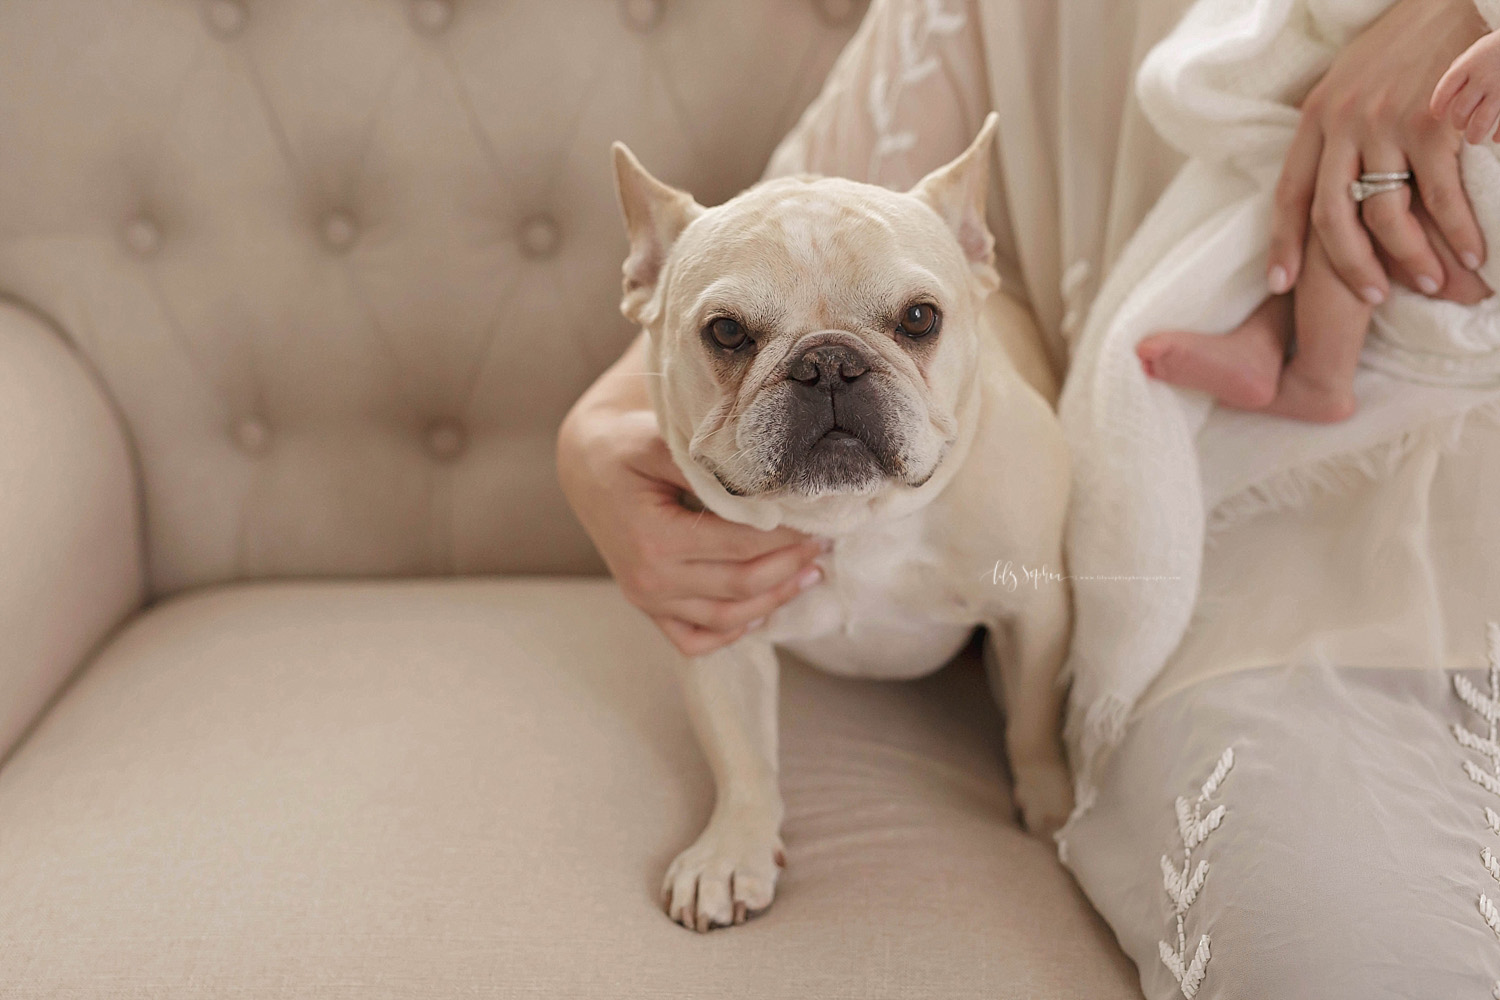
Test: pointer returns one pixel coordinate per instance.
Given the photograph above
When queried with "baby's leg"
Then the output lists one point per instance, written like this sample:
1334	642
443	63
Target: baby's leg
1318	382
1239	368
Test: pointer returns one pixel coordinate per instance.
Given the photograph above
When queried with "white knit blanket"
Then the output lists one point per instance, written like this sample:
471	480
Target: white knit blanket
1154	462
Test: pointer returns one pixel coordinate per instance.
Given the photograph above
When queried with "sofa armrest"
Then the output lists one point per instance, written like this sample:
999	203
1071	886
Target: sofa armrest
71	564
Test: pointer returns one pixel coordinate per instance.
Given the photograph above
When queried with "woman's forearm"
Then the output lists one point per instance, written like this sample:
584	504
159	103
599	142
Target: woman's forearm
622	386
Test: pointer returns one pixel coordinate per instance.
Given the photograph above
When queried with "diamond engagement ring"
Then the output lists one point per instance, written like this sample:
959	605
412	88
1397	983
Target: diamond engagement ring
1369	185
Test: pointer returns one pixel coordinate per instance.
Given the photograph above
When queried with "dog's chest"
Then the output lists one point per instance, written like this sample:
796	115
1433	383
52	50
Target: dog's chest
892	605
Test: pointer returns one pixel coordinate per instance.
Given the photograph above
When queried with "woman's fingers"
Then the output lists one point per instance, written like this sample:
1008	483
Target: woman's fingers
703	536
729	617
1463	286
1389	219
1434	164
697	625
739	581
1343	235
691	640
1292	203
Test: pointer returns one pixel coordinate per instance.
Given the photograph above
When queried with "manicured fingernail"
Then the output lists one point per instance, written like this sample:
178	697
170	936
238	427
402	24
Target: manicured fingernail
808	577
1428	284
755	624
1373	295
1470	259
1279	281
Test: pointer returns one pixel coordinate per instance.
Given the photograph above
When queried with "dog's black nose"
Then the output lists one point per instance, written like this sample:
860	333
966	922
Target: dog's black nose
828	367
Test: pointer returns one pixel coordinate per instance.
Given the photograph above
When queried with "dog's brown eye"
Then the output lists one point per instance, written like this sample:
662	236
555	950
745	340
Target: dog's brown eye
728	333
919	320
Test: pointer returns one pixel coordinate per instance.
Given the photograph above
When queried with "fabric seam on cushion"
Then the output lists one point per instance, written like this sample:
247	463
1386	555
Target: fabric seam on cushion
1183	885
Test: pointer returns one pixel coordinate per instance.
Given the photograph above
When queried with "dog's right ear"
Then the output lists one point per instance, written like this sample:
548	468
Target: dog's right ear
655	215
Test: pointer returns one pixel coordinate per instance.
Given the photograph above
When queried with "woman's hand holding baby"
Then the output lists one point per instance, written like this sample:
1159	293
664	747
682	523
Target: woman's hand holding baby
1370	113
1378	109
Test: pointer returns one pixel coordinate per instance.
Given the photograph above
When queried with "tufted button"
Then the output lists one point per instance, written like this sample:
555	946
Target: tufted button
431	16
837	12
338	230
642	15
142	236
253	435
540	236
226	18
446	440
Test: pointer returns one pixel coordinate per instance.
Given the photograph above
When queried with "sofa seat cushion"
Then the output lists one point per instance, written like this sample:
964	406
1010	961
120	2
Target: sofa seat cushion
472	788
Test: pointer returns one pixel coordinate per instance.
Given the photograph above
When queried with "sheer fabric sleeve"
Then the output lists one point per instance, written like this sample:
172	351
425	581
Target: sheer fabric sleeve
907	94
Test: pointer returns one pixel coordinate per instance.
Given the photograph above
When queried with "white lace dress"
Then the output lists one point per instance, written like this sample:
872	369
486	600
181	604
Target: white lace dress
1307	798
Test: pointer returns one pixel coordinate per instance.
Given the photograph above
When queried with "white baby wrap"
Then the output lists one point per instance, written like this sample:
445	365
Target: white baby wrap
1155	466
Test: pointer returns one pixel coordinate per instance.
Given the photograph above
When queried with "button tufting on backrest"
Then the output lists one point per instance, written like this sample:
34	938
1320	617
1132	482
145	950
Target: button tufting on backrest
344	265
837	12
446	440
253	435
431	16
339	230
540	236
641	15
226	18
142	236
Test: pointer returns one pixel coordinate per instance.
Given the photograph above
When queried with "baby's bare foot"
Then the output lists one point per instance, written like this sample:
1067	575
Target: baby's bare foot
1239	368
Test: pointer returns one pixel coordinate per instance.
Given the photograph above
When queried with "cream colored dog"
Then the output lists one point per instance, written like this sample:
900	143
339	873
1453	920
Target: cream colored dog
836	357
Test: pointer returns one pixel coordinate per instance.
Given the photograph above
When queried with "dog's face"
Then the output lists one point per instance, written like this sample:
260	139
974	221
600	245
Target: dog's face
815	336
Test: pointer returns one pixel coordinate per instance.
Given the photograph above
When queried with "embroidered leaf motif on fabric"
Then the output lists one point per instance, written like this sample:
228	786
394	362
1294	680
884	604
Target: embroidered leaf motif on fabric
1486	705
918	26
1183	884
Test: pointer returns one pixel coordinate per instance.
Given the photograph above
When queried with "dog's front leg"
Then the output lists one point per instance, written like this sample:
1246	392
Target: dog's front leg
730	871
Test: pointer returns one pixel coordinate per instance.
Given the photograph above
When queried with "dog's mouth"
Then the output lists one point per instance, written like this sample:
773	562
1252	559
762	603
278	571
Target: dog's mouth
849	442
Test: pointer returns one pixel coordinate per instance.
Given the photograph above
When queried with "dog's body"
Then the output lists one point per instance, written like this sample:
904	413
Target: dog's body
935	465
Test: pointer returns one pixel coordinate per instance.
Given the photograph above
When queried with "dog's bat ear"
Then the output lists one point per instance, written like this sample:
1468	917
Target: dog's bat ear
655	215
959	191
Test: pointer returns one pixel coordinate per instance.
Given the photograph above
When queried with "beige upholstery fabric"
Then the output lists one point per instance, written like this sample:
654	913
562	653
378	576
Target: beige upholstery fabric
70	546
344	265
471	789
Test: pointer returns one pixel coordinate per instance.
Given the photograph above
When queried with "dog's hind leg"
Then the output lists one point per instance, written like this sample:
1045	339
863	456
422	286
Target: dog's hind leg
1032	690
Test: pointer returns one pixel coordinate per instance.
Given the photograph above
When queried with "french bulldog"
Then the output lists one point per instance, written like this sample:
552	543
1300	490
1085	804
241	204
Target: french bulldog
837	357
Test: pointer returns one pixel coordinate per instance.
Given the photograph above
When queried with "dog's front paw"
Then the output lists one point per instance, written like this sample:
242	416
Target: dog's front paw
1044	794
726	877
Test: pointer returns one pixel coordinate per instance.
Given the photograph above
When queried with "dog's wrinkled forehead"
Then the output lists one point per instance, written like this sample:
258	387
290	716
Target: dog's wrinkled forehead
821	251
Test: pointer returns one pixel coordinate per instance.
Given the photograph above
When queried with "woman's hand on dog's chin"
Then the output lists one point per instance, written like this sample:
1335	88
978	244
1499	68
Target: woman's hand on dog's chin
705	581
1370	113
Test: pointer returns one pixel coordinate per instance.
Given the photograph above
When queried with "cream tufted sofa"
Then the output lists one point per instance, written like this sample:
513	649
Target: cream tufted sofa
293	295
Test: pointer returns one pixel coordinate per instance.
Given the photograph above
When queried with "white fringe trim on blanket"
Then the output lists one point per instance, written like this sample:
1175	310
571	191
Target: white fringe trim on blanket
1339	474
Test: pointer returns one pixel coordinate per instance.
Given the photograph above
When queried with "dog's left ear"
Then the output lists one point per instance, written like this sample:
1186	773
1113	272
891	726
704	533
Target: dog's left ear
958	192
655	215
